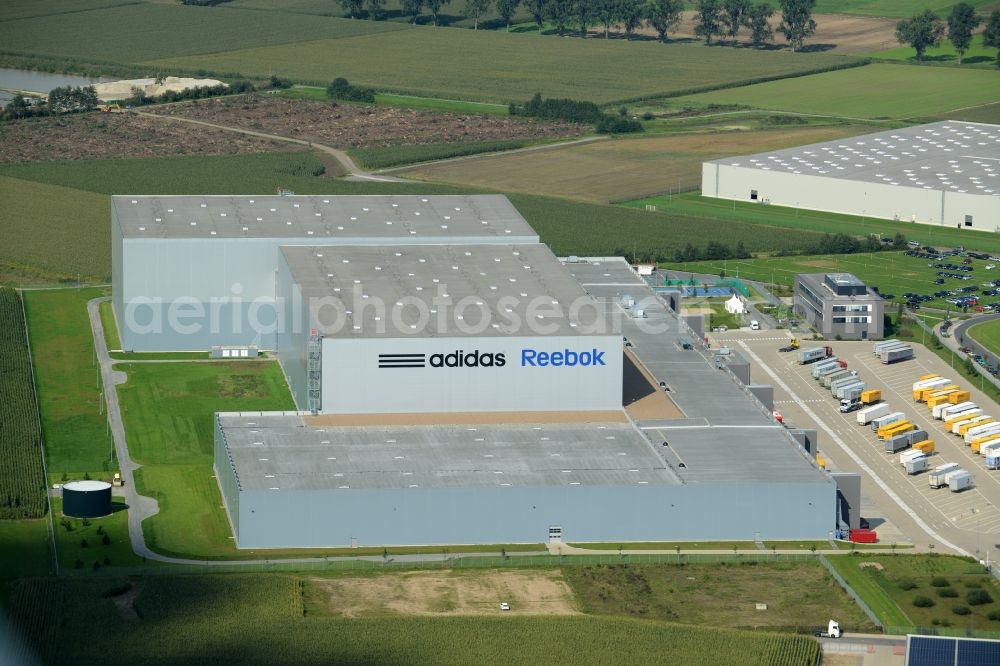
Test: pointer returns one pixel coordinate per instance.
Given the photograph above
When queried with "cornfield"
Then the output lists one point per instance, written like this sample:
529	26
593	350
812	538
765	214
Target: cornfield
22	483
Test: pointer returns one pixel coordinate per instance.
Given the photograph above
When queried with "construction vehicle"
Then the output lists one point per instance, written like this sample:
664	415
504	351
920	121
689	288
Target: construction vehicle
792	345
832	629
114	107
821	461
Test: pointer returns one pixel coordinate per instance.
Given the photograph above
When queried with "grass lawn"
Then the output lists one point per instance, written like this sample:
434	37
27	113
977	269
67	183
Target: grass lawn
110	326
892	272
891	584
69	542
800	596
873	91
498	67
977	54
694	205
987	334
68	381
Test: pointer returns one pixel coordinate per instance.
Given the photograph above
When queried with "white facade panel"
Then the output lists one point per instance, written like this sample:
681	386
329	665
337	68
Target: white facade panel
486	374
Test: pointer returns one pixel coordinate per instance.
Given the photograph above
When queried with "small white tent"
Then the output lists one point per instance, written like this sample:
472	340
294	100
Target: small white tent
735	305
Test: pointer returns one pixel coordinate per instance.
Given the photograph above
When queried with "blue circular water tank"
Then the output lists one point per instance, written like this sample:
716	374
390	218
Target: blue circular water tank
86	499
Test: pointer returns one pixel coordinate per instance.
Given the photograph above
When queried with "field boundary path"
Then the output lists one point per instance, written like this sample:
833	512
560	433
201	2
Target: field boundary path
352	170
526	149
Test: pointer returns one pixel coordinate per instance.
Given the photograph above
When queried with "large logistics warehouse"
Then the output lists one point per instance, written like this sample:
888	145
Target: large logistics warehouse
945	173
464	386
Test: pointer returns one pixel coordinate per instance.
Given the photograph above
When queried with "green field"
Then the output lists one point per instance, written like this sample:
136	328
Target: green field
977	54
890	585
68	381
69	220
139	32
694	205
987	334
503	67
15	9
317	93
892	272
799	596
24	550
258	619
874	91
22	482
893	8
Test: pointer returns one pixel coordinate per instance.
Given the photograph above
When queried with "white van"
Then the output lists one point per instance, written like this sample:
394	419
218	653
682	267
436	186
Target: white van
754	325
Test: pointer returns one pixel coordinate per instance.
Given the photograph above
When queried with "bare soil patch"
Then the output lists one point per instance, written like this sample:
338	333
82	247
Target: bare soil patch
104	135
842	33
125	602
352	126
443	593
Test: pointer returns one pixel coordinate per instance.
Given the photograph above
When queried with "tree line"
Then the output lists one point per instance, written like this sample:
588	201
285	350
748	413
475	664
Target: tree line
927	30
714	18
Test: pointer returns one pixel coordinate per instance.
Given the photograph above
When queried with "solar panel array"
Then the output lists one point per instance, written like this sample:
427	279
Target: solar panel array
953	156
948	651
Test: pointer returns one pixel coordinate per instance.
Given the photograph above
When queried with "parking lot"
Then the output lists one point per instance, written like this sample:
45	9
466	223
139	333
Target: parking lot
968	521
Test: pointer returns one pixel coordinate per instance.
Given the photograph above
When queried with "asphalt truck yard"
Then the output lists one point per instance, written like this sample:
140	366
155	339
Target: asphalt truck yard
901	507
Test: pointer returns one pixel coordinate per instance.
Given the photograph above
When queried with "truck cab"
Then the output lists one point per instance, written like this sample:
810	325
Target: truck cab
847	406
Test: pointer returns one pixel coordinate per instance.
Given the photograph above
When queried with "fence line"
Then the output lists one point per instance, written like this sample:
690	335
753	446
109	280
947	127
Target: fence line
854	595
955	632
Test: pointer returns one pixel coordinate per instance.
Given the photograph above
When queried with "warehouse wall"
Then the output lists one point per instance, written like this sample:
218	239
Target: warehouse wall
292	340
326	518
225	473
353	382
117	292
851	197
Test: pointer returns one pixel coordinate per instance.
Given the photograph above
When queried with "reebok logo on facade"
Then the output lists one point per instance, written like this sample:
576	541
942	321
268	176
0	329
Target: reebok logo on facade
566	358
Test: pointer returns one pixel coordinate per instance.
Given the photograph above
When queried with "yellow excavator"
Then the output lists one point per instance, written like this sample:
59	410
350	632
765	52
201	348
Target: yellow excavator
792	345
110	108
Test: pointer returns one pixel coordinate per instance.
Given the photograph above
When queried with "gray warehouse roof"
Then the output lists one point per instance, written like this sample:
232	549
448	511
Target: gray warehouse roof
401	219
275	452
726	437
503	282
951	155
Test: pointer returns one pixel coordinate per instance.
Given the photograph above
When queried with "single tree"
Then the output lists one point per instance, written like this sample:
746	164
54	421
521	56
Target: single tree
584	14
735	14
797	23
537	10
991	36
412	8
434	7
708	17
961	22
632	14
506	9
607	12
376	9
560	12
922	31
353	7
759	22
476	9
664	15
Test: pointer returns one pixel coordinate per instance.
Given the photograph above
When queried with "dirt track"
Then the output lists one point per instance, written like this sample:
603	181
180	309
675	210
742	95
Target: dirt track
446	593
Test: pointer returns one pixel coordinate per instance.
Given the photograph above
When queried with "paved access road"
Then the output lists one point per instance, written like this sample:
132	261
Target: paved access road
966	522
